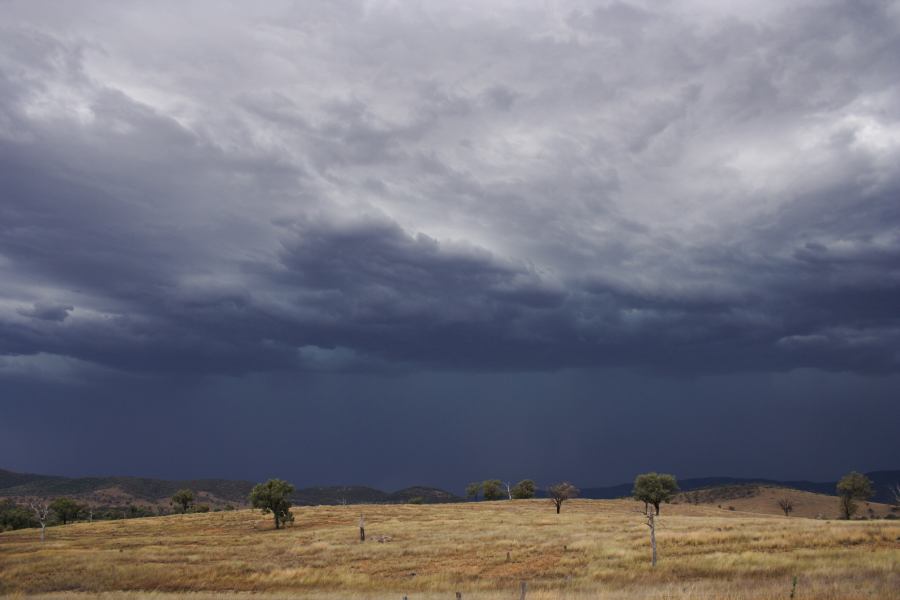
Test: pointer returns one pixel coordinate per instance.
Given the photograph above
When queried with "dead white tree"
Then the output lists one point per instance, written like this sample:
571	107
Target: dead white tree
42	511
508	490
651	523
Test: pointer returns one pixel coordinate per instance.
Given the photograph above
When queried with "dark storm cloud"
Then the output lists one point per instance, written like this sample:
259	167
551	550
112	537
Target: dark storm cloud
577	186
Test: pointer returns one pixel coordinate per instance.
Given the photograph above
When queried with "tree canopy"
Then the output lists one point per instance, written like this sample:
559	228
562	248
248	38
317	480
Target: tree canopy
523	490
655	488
66	509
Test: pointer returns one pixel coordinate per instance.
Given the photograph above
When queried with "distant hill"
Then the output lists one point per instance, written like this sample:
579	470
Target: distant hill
758	498
121	491
882	482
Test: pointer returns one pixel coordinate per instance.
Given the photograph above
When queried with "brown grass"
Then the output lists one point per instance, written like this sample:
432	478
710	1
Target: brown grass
594	549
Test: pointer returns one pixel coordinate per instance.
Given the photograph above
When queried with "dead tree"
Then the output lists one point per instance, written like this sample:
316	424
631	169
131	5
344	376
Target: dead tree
362	528
651	523
895	492
787	505
508	490
42	512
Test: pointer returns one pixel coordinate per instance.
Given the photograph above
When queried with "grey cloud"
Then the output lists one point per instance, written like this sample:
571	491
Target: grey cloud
47	312
592	187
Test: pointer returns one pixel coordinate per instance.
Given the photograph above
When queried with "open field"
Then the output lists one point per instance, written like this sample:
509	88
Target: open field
594	549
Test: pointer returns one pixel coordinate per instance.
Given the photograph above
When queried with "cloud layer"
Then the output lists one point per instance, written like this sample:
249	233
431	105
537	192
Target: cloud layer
361	185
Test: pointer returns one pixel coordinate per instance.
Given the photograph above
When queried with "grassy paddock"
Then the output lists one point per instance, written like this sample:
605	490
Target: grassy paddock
594	549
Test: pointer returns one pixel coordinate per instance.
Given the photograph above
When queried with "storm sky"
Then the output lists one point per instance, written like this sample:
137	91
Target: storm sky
399	243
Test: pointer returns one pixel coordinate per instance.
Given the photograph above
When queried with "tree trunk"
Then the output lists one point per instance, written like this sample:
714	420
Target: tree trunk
42	532
558	506
277	524
656	506
653	541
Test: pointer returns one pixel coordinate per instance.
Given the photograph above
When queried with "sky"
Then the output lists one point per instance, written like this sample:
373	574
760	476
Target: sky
397	243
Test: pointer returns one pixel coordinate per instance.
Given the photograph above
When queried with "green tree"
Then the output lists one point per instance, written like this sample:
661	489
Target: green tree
183	498
523	490
66	509
561	492
655	488
472	490
852	487
13	516
492	489
274	496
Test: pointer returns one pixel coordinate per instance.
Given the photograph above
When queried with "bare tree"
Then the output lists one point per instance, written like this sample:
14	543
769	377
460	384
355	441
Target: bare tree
42	511
787	505
895	492
561	492
508	490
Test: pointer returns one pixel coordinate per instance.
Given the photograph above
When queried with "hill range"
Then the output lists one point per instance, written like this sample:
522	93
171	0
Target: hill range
119	491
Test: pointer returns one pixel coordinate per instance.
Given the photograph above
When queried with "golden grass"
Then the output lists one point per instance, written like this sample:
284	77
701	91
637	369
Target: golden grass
594	549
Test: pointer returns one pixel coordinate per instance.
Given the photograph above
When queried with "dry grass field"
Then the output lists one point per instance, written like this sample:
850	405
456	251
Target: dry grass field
594	549
806	504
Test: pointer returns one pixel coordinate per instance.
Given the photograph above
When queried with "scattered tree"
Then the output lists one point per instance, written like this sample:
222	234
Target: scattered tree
655	488
66	509
183	498
852	487
472	490
787	505
523	490
561	492
492	489
274	496
41	512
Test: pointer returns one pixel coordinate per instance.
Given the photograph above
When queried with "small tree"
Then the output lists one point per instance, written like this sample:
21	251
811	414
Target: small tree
183	498
274	496
655	488
523	490
787	505
66	509
41	512
852	487
561	492
492	489
472	490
